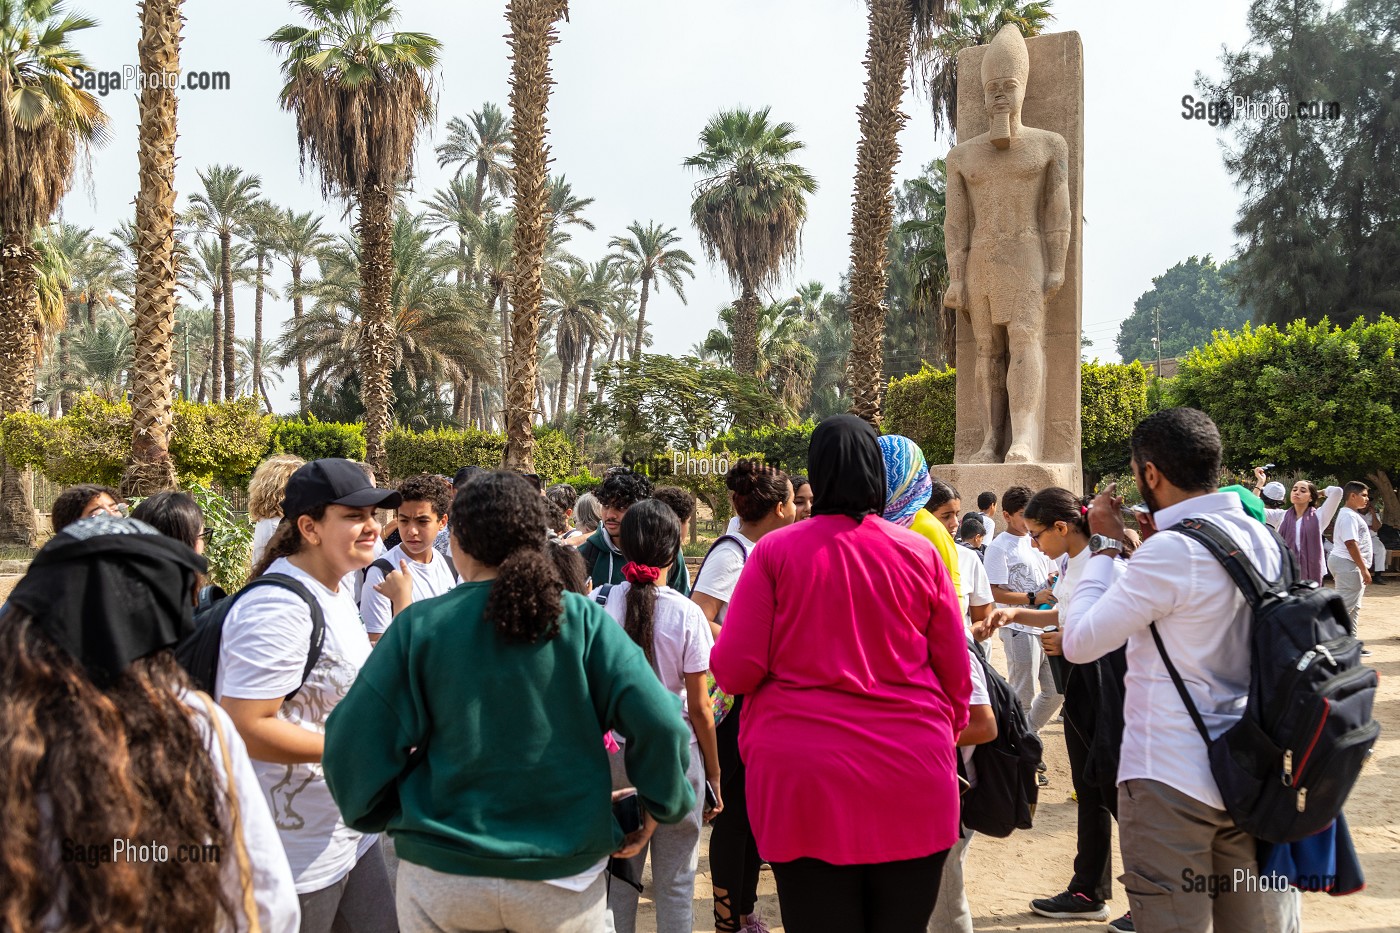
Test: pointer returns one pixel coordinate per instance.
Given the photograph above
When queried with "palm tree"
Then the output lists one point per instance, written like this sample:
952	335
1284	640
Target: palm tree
194	342
103	356
649	252
262	229
222	209
96	276
47	124
894	25
576	301
299	240
452	208
531	34
360	95
749	210
565	208
965	24
483	143
786	362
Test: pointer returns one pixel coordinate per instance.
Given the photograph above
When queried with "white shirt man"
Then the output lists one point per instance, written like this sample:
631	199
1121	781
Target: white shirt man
1172	823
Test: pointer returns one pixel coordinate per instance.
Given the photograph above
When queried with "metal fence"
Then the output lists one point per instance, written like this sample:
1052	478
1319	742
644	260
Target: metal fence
45	491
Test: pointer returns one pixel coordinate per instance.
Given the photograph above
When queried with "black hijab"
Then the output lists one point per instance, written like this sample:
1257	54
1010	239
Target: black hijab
846	468
110	590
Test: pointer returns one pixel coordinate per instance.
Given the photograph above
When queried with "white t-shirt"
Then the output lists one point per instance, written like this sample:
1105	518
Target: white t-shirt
1351	527
976	590
990	524
681	639
1014	564
267	637
262	533
720	574
429	580
979	697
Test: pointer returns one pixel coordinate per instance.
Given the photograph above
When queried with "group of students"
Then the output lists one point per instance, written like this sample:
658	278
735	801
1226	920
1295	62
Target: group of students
451	732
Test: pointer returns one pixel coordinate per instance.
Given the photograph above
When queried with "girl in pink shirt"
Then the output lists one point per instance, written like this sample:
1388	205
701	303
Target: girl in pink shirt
845	638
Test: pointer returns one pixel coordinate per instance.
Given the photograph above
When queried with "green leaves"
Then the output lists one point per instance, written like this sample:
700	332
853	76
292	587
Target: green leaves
923	408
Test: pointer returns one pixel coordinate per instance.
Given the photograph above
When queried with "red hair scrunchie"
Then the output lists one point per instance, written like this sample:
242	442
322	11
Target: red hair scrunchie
636	573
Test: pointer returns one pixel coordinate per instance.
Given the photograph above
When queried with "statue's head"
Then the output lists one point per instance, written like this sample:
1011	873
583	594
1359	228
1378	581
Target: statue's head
1005	68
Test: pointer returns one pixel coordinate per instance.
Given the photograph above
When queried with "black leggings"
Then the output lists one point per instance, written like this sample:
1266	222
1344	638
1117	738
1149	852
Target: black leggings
1093	856
889	897
734	857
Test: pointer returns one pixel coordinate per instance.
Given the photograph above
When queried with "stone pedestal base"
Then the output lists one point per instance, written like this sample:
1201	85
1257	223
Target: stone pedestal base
969	479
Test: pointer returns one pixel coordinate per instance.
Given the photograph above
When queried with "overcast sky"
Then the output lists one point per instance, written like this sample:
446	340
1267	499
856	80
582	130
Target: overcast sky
638	79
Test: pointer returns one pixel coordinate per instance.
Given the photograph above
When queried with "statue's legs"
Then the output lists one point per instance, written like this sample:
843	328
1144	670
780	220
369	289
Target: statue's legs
990	377
1025	379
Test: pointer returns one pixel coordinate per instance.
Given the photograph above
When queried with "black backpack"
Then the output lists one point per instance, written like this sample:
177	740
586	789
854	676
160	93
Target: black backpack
199	652
1006	792
383	566
1285	769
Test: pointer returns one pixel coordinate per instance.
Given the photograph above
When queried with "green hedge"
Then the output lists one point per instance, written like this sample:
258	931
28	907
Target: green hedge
922	407
312	439
445	451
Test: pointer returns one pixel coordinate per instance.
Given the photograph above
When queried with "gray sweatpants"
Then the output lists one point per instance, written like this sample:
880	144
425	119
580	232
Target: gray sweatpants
436	902
1026	664
1346	577
951	913
675	854
361	902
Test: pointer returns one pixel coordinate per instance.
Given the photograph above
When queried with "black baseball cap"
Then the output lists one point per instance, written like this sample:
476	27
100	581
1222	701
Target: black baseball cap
333	481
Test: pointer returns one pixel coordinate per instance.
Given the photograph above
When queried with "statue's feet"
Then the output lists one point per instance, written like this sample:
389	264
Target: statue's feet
1019	453
988	454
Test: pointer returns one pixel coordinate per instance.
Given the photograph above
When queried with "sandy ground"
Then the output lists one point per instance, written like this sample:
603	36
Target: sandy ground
1004	874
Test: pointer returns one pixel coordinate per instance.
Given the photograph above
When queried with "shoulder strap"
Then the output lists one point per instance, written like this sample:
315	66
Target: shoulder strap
1180	685
600	595
383	566
743	551
318	618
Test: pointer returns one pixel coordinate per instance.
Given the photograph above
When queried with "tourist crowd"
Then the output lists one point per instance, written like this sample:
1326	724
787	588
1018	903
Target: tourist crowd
477	704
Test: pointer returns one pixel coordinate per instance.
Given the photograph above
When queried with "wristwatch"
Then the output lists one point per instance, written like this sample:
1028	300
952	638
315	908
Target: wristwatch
1030	598
1098	543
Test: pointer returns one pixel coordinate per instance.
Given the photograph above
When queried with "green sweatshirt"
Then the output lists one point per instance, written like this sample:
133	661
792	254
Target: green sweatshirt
510	778
605	562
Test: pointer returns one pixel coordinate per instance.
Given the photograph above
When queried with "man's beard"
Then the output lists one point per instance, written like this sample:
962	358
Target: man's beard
1147	497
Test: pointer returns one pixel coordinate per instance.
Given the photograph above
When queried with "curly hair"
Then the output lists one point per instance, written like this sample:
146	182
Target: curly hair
681	501
757	488
122	762
73	501
562	495
573	570
622	489
425	487
499	519
269	484
651	536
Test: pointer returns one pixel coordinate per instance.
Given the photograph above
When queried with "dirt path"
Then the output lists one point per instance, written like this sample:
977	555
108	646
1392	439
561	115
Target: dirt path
1004	874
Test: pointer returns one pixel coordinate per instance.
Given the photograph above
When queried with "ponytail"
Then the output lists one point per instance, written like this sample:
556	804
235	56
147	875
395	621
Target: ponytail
639	621
1059	505
651	540
527	597
285	541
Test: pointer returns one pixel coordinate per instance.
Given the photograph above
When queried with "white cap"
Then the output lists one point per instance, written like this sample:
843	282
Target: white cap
1274	490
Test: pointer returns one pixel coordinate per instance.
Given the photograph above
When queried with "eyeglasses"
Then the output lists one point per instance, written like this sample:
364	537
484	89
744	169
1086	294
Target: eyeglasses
1035	535
207	534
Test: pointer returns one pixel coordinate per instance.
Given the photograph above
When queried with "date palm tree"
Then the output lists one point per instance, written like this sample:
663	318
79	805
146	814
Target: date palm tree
650	253
965	24
47	124
299	240
481	143
575	305
262	229
532	32
97	275
149	468
895	26
749	210
786	363
360	94
222	209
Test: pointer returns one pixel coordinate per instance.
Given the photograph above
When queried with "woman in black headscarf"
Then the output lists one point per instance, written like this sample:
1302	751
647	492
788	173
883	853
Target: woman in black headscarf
104	744
856	688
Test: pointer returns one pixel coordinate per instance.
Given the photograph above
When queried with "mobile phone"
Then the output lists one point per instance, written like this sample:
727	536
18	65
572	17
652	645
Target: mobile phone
1049	628
711	798
1141	508
628	813
1268	467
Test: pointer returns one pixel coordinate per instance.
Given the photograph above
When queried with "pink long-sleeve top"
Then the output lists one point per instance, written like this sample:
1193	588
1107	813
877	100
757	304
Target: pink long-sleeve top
846	642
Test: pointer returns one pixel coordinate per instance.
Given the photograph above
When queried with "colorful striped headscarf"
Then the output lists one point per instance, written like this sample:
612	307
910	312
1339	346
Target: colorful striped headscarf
907	481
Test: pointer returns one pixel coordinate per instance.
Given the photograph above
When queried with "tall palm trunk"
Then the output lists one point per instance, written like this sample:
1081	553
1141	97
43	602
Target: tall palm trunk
886	60
641	314
582	404
303	384
531	35
745	337
505	329
65	372
377	341
18	330
150	470
257	328
566	371
216	298
203	396
230	337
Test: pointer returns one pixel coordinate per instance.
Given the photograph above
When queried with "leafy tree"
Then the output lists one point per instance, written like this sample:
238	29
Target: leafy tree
749	209
1190	301
1310	397
919	328
786	362
664	402
1321	196
1112	400
47	124
360	94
